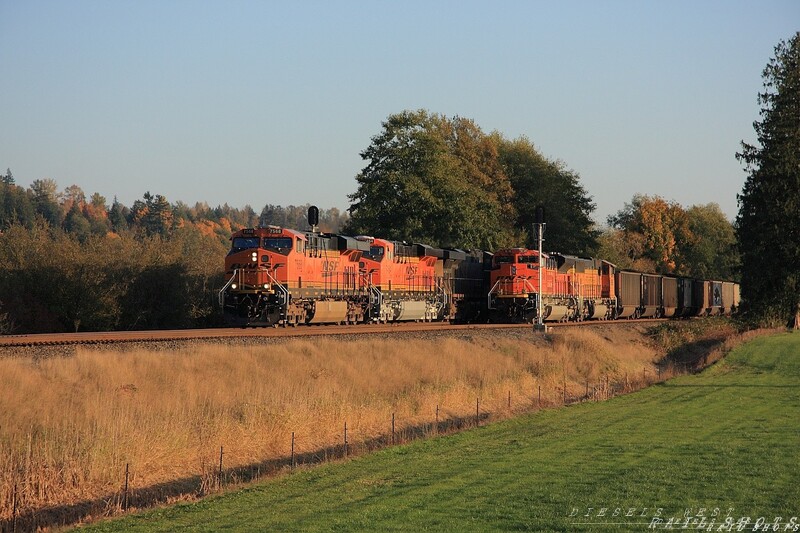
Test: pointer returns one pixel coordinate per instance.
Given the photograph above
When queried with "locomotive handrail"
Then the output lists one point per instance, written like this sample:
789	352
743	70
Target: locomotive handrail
221	295
443	291
284	290
377	295
489	296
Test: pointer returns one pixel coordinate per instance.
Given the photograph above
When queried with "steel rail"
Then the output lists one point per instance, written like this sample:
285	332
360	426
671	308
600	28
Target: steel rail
117	337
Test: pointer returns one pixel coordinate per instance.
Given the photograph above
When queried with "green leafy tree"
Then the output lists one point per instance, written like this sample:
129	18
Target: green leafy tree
625	250
434	180
538	181
711	252
769	205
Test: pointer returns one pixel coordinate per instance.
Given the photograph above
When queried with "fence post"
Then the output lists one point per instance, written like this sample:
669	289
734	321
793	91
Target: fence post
292	466
345	439
509	399
477	412
125	494
437	418
540	395
14	506
393	428
220	466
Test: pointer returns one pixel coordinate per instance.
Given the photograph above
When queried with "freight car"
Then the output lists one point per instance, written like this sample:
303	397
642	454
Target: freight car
280	276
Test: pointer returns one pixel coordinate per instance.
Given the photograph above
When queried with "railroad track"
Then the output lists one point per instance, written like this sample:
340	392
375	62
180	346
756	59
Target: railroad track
118	337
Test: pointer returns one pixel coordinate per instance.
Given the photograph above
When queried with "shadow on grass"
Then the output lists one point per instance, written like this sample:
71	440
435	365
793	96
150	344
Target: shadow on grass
729	386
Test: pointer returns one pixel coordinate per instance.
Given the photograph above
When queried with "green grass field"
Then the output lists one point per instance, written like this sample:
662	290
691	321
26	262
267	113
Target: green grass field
727	439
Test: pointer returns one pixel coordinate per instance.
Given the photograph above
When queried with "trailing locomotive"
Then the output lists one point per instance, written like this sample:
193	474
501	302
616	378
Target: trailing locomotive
278	276
573	288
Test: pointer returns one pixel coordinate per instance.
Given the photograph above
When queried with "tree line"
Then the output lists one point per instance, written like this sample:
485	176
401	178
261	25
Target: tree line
72	263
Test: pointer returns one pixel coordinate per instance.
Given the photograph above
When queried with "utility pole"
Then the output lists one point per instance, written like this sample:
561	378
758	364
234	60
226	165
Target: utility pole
539	327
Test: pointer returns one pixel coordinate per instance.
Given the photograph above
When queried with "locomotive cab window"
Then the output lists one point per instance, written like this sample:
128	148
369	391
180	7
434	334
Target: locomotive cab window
531	259
375	253
244	243
282	245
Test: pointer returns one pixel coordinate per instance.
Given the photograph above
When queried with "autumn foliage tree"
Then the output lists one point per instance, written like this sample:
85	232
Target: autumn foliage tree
662	227
769	205
652	235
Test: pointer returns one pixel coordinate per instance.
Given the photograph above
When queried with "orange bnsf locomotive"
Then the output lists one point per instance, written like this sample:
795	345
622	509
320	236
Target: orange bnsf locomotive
573	288
283	276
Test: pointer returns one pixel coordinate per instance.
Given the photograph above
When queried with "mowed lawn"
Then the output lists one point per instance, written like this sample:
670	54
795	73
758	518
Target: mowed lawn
724	444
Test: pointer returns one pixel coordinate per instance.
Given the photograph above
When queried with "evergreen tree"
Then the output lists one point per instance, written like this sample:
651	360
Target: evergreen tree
15	204
76	223
769	205
117	216
7	178
44	195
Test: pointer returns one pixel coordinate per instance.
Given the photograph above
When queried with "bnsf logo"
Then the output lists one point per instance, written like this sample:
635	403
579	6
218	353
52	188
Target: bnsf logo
329	266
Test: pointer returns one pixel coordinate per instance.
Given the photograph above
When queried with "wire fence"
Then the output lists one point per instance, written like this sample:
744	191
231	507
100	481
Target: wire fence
23	515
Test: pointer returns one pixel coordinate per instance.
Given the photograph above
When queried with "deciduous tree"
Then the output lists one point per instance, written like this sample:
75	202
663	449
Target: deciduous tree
537	180
435	180
711	251
663	226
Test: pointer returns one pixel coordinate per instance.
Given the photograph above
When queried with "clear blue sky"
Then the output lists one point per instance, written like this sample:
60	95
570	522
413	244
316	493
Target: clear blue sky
256	102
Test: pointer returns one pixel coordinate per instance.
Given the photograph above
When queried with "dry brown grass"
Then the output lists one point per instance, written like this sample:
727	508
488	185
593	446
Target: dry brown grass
68	426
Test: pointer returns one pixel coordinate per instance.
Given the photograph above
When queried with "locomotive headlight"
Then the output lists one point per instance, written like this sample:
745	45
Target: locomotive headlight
254	256
266	285
234	286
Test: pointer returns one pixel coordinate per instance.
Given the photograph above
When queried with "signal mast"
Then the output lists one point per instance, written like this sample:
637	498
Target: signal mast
539	327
